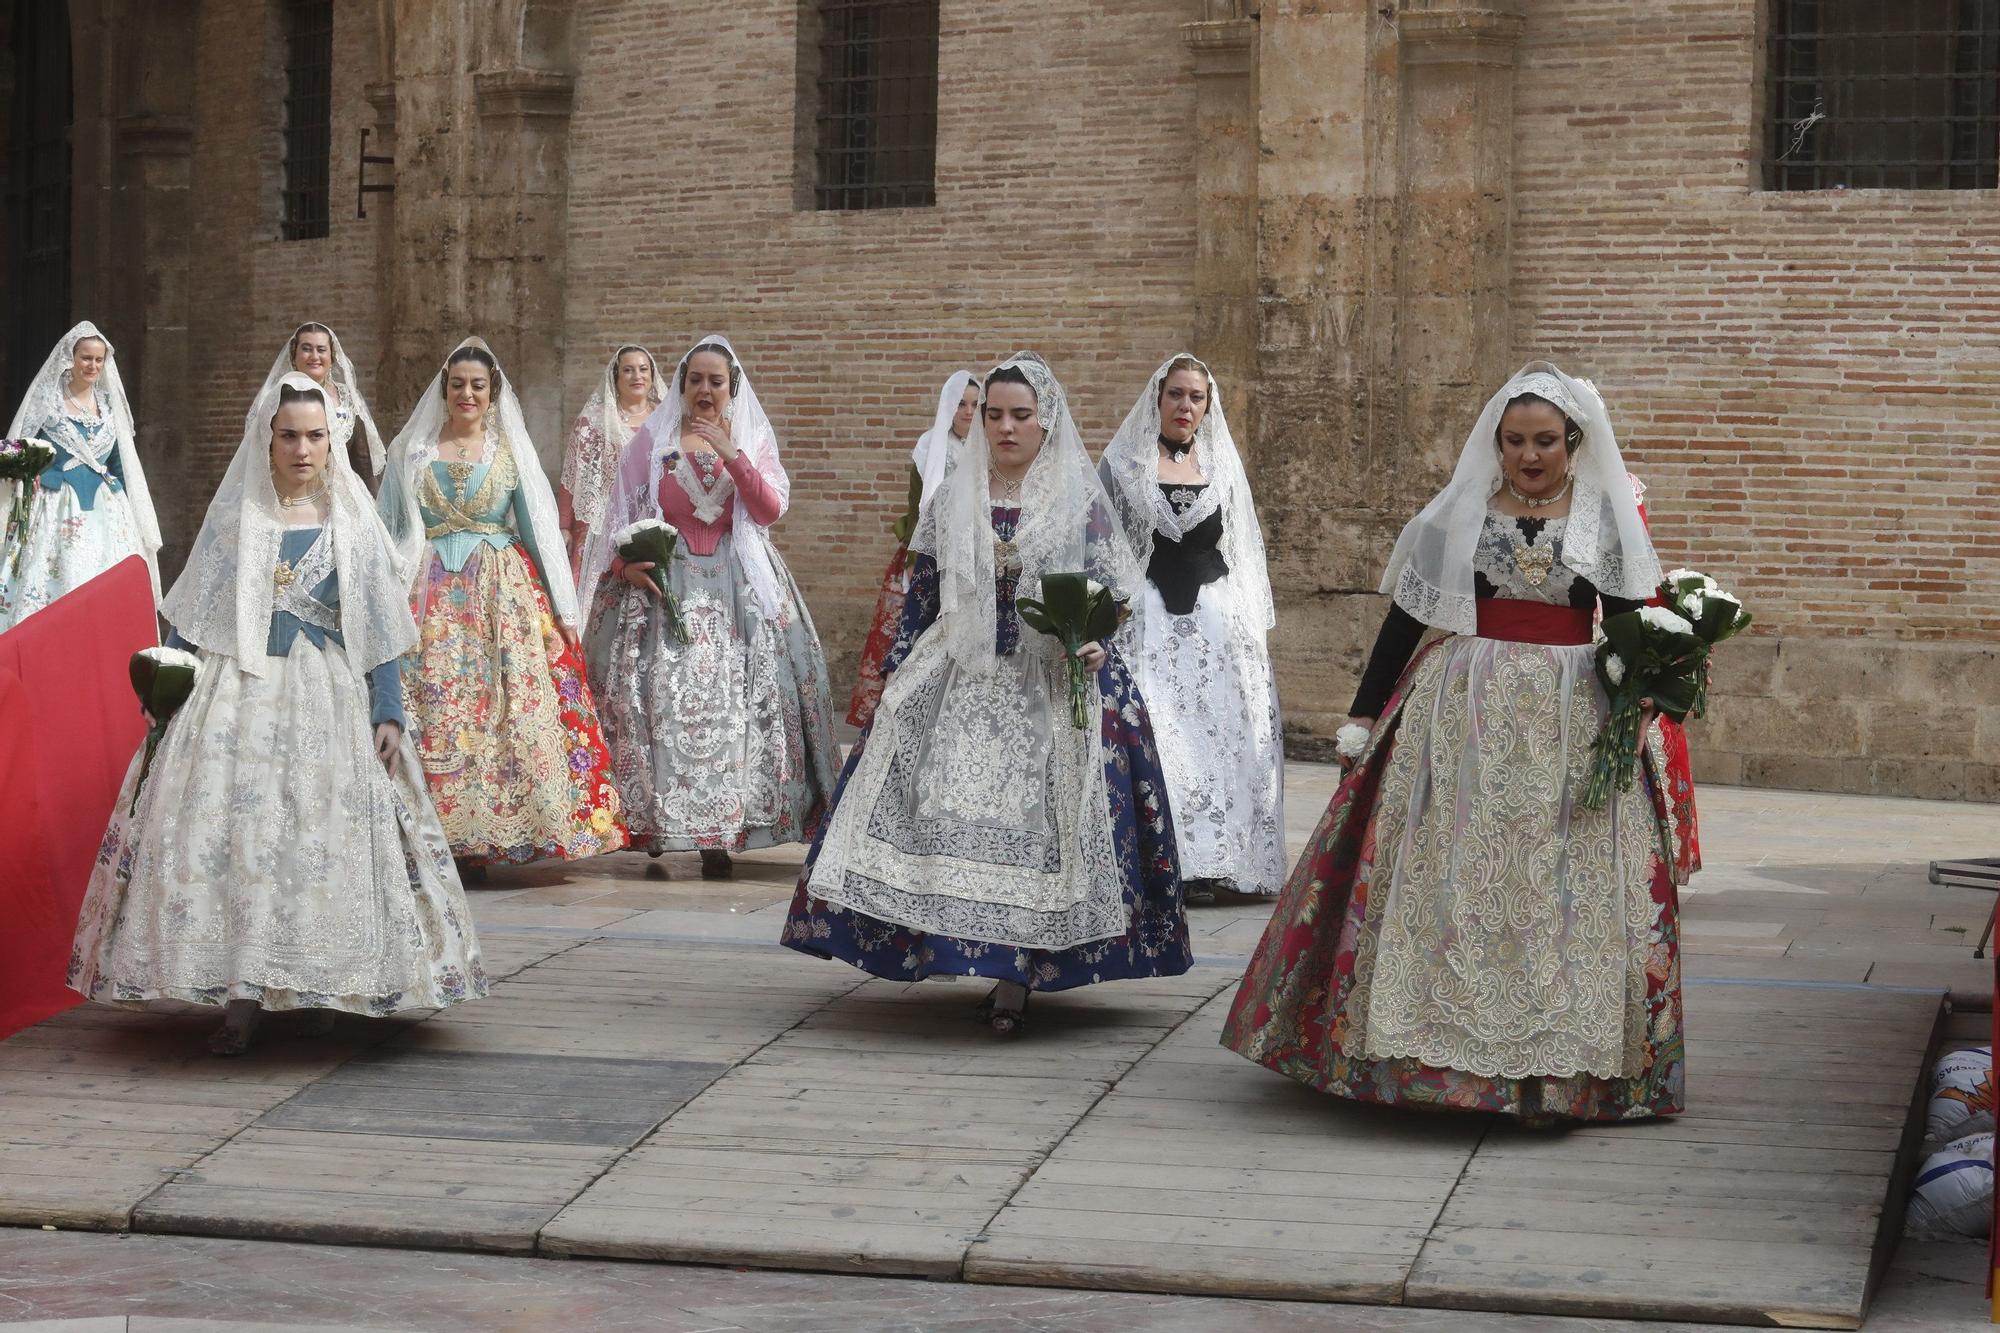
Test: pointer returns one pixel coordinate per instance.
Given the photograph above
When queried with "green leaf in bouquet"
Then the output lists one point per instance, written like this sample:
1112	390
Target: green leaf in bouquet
1067	598
1626	633
1103	618
142	669
1034	615
1675	695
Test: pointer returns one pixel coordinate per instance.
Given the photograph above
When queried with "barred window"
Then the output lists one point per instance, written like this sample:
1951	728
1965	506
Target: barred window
877	112
1867	95
308	117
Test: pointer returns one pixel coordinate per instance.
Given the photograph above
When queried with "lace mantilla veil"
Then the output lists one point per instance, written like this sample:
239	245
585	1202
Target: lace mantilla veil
654	452
1430	571
1067	524
934	444
222	600
1131	467
598	438
42	405
344	384
415	448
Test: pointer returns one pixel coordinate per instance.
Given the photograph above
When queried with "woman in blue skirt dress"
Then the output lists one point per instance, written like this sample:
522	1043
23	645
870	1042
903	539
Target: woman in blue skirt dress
976	830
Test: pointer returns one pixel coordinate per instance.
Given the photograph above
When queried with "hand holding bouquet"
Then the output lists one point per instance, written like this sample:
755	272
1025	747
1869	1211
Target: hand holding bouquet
1659	653
1074	610
24	460
652	541
163	678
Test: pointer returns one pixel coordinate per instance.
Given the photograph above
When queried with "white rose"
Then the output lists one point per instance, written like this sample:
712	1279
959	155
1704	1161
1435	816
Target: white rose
1680	576
1614	668
1658	617
1351	740
1092	587
632	530
1691	605
173	657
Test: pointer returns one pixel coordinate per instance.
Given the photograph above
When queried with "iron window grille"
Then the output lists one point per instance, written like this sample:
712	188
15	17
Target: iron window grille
878	91
1872	95
308	118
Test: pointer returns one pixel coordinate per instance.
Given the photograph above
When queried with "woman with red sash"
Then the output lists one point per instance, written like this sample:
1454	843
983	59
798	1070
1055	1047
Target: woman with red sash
1461	933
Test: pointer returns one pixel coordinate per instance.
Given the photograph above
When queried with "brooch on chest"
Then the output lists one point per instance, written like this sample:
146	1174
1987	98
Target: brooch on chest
282	575
1535	562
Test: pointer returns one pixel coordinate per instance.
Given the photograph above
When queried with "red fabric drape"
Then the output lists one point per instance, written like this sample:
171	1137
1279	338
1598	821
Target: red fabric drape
68	730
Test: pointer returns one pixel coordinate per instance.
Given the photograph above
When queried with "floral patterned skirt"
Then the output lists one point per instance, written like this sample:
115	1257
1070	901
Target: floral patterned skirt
868	678
722	741
1458	934
504	720
1155	941
50	544
271	858
1679	779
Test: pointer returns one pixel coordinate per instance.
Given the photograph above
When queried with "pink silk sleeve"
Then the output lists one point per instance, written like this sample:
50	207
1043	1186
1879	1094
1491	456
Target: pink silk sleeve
753	492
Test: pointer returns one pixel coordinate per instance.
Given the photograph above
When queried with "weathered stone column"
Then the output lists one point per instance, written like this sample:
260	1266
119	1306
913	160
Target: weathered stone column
1325	324
1455	262
1224	43
520	200
141	296
483	94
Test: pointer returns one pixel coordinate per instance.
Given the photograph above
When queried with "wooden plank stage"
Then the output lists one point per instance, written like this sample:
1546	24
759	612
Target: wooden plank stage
721	1101
1775	1201
879	1136
472	1130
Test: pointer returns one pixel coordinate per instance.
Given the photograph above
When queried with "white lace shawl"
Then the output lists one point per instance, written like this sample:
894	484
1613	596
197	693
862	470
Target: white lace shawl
1067	524
597	441
341	373
223	599
654	453
402	483
934	444
1430	571
1131	472
43	406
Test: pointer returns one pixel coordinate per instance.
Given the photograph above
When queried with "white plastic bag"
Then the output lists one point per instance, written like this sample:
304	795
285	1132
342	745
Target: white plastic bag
1954	1193
1961	1095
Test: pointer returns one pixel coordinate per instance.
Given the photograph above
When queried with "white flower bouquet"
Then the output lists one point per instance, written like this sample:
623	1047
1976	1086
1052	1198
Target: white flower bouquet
1074	609
1659	653
163	678
654	540
24	460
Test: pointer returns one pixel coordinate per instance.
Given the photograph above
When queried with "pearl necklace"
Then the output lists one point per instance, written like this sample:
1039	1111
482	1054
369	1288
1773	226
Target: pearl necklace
1544	503
301	501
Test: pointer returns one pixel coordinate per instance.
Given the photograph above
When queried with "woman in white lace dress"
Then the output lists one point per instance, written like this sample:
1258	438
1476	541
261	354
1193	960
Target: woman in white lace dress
282	852
90	509
978	830
1198	652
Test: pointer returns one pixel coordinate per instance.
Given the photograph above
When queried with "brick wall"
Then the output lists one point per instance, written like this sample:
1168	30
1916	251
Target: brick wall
1074	233
1809	382
249	288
